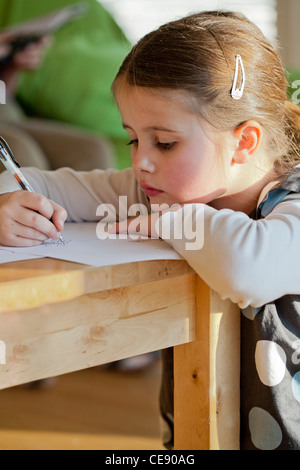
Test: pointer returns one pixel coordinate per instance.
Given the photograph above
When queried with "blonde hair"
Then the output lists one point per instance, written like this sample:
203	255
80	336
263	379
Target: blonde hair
197	54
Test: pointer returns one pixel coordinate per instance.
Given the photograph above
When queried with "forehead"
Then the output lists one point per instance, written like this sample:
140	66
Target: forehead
153	102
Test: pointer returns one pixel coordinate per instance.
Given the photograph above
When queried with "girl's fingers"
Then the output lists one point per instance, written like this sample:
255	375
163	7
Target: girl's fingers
42	214
37	222
22	236
143	225
59	216
36	202
29	233
26	219
119	227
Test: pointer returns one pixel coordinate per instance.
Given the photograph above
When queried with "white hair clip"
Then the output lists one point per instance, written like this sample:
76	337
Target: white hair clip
235	92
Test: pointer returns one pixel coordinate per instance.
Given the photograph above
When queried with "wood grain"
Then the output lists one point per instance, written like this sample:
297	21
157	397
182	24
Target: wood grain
30	284
86	328
57	317
207	401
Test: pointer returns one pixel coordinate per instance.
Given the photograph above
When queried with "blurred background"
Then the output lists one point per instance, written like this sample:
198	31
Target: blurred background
70	85
138	17
60	112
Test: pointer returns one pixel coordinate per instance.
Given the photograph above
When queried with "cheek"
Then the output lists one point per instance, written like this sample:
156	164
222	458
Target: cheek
189	170
198	178
183	180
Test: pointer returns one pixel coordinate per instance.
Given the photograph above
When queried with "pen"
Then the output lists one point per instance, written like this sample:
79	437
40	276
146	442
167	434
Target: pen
8	160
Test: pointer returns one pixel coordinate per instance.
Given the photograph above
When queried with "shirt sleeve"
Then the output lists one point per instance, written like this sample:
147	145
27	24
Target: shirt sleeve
81	193
251	262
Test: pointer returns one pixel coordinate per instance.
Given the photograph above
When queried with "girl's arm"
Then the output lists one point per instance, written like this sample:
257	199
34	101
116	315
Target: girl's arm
250	262
25	217
80	193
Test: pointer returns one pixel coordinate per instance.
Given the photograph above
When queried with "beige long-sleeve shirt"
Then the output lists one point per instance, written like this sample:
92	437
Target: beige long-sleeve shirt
250	262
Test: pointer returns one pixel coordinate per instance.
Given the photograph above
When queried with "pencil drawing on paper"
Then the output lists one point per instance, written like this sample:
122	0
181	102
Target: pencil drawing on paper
55	243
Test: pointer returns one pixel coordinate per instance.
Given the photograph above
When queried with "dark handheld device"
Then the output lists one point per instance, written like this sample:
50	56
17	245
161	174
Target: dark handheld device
32	31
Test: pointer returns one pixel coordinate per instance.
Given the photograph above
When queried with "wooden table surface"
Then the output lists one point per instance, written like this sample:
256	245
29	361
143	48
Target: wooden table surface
57	317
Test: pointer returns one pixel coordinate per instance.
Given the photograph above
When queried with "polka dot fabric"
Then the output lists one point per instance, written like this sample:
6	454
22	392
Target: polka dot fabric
270	372
270	378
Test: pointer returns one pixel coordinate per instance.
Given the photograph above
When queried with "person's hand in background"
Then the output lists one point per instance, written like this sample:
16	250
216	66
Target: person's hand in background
5	47
29	58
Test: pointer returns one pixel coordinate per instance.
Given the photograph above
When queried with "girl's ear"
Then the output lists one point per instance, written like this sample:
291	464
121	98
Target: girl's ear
249	136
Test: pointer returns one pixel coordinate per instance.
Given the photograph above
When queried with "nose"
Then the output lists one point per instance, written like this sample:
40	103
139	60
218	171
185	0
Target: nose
142	161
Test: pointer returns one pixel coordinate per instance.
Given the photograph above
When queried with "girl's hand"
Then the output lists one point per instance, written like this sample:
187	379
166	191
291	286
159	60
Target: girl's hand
25	219
143	225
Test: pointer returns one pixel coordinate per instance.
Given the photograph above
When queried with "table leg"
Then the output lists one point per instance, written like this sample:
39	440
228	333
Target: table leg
206	377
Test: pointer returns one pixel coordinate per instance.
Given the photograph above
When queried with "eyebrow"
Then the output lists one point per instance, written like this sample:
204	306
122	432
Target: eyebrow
153	128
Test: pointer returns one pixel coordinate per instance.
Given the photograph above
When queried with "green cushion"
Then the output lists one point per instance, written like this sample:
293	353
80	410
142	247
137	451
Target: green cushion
73	84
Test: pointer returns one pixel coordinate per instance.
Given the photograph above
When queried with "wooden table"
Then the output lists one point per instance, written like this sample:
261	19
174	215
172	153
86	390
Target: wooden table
57	317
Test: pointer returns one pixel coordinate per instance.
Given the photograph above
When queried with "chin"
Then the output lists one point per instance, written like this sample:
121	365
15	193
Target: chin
167	203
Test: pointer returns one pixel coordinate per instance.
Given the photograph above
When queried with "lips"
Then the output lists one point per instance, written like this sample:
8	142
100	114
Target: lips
150	191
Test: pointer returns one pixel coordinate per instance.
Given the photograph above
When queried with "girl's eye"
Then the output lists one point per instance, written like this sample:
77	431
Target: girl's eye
166	145
162	145
132	142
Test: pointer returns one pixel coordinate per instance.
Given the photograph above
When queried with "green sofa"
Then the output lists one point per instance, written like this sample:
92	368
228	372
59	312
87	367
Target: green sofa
73	84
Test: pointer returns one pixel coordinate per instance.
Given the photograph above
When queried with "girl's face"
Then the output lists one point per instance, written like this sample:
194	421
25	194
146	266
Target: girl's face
174	156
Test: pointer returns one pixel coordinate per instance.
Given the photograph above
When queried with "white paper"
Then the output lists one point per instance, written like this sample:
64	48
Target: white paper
83	246
8	256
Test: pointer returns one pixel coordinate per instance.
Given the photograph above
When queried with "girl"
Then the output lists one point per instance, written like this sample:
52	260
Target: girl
204	102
